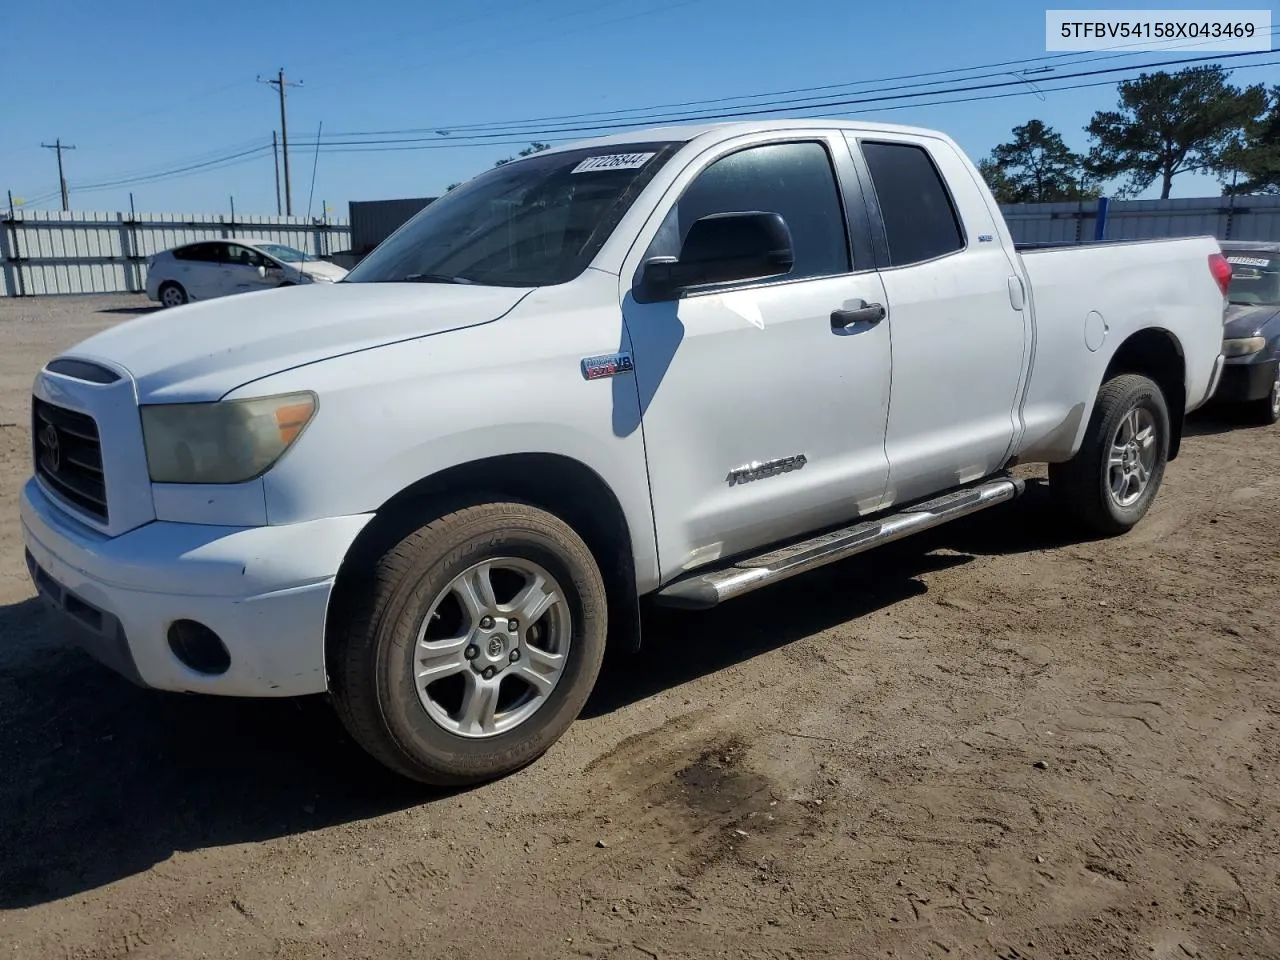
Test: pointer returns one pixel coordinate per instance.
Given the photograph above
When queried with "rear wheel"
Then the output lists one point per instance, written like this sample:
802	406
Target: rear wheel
1110	483
172	294
476	647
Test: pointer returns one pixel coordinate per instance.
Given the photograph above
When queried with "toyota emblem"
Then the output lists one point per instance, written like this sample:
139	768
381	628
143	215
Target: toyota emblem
52	447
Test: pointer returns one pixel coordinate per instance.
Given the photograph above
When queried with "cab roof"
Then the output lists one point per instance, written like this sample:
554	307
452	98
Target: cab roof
686	132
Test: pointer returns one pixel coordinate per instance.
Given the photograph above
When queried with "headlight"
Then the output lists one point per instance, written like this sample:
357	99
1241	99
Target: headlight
318	278
1243	347
230	441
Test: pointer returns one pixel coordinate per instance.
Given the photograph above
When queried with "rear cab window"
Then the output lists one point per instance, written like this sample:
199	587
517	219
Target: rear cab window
920	219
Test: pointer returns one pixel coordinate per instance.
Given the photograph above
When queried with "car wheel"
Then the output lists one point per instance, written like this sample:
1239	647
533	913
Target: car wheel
475	646
172	294
1110	483
1267	410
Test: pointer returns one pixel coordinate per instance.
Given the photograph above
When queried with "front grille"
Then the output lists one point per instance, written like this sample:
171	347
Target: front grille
68	456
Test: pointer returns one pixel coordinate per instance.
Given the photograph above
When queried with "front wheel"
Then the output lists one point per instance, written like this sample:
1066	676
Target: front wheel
476	646
1111	481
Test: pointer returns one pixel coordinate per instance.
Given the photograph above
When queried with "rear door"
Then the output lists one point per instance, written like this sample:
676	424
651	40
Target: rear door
958	323
763	412
197	269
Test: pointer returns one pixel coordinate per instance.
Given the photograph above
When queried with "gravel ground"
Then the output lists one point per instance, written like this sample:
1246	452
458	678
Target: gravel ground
1000	741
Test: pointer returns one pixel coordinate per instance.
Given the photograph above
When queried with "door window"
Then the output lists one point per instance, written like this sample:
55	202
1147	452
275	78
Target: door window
920	222
795	180
198	253
239	256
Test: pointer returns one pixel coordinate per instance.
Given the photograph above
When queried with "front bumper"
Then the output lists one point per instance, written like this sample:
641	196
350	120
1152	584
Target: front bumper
1243	382
263	590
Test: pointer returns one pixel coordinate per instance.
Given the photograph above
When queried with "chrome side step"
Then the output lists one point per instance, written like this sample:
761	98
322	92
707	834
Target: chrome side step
700	591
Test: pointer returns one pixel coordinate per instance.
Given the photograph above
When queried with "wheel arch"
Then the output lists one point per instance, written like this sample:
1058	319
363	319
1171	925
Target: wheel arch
556	483
1156	353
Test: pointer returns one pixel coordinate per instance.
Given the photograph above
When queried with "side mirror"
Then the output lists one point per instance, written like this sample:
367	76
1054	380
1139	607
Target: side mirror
722	248
262	271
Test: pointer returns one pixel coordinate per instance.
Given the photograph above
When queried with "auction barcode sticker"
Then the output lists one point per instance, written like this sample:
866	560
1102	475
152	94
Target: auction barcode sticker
613	161
1196	31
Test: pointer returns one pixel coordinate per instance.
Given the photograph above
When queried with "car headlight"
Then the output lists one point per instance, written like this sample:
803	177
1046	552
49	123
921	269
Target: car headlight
229	441
1243	346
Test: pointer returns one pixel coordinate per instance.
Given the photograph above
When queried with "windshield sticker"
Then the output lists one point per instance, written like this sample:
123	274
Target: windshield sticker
1249	261
613	161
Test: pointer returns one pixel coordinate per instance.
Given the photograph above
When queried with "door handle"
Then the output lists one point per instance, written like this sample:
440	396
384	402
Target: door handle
847	317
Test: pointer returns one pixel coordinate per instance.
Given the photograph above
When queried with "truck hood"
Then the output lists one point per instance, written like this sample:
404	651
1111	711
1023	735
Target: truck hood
203	350
1246	320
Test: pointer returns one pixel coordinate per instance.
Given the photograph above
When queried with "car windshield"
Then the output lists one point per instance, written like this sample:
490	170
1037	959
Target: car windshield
530	223
281	252
1255	278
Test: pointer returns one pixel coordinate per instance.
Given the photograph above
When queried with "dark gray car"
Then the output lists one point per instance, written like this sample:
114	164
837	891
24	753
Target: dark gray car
1251	335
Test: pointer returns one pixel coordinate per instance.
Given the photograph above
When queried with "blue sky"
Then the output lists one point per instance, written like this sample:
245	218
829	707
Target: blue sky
141	87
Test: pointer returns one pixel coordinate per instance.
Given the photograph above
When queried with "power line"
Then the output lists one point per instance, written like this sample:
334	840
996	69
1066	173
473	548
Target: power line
1075	59
768	109
217	162
447	145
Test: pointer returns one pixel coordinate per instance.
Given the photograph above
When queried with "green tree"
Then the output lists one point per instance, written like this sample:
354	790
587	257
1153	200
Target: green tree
1251	164
1036	166
997	180
1170	123
528	151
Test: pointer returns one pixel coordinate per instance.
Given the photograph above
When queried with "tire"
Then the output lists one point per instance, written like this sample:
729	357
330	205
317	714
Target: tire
378	653
1267	410
172	294
1083	486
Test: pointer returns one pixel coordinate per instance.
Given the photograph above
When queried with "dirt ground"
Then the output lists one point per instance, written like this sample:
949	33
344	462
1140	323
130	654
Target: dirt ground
1002	741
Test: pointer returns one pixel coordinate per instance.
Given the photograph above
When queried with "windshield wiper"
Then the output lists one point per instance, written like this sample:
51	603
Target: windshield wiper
434	278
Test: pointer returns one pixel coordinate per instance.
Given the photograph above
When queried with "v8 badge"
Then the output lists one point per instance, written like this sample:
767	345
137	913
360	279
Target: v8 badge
608	365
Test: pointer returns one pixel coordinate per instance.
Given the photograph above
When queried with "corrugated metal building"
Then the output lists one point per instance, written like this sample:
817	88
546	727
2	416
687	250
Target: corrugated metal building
372	221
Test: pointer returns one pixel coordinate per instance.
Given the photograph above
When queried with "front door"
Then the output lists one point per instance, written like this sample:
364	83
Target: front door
763	415
242	270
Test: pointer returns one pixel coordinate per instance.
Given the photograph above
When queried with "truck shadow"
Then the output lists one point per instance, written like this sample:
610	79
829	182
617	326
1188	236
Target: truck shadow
102	780
680	646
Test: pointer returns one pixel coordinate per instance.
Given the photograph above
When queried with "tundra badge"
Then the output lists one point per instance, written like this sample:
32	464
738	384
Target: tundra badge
770	468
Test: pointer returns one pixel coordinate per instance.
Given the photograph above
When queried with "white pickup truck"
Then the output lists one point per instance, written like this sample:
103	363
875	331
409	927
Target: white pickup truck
684	363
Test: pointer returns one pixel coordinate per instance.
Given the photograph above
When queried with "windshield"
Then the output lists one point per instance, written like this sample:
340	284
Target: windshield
530	223
1255	278
281	252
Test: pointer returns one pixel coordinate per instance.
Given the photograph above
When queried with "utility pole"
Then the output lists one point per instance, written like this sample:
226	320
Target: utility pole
280	83
275	150
59	146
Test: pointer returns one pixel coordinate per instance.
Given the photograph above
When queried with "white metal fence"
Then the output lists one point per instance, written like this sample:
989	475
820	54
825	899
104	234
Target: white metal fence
1227	218
53	253
44	252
